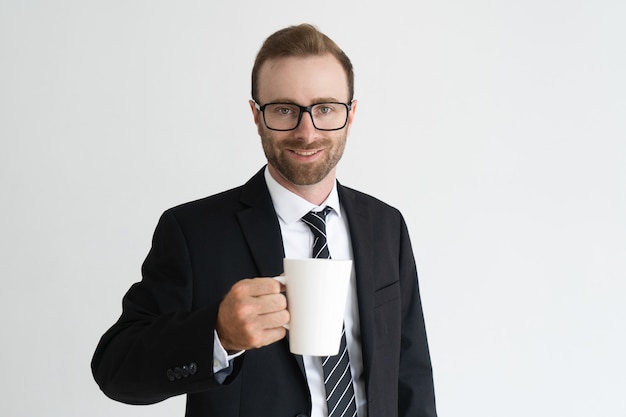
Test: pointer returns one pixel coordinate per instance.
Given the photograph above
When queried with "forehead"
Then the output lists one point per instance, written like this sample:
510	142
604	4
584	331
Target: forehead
302	79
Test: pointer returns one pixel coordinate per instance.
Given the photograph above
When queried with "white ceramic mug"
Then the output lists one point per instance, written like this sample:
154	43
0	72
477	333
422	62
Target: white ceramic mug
317	290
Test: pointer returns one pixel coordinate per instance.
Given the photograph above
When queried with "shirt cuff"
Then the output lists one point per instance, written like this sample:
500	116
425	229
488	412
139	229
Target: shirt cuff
222	361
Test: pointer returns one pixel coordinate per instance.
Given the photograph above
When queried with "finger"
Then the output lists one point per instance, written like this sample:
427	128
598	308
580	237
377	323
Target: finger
274	335
266	304
274	320
265	332
263	286
255	287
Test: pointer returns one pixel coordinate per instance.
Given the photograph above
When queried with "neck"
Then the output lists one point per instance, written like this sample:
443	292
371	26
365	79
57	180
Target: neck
313	193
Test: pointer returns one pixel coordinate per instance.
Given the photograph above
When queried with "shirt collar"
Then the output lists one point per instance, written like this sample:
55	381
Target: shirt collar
291	207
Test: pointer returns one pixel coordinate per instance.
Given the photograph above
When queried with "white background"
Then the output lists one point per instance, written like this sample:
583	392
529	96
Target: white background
497	128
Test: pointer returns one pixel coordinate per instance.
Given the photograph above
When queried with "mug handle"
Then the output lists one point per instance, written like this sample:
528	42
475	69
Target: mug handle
283	280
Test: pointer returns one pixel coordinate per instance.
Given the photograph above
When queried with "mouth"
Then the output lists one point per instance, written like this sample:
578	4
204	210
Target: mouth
305	153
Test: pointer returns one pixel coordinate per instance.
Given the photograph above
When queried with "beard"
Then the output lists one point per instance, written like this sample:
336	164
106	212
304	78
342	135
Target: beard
303	173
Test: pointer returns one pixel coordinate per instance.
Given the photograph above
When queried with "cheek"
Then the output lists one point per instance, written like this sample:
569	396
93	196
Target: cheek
264	132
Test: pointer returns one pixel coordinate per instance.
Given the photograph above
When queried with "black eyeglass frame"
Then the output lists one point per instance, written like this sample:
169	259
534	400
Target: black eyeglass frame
304	109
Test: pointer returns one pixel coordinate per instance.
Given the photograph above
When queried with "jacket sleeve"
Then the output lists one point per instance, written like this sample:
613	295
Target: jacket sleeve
160	346
416	397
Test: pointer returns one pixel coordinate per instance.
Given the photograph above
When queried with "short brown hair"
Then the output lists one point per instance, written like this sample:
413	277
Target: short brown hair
301	40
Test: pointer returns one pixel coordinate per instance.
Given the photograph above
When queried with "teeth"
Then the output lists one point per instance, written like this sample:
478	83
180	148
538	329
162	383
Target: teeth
305	153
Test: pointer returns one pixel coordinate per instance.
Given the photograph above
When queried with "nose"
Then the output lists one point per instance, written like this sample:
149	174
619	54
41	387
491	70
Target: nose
305	128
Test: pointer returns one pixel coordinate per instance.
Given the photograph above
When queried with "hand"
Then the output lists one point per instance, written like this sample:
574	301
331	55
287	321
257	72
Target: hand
252	315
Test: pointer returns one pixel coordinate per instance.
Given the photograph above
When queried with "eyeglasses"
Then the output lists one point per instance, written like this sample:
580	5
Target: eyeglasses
287	116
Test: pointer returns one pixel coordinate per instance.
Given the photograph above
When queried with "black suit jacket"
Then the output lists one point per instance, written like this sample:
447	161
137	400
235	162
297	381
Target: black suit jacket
162	345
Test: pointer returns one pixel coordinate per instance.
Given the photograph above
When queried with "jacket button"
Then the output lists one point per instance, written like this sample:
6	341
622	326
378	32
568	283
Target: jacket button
185	371
178	373
193	368
170	375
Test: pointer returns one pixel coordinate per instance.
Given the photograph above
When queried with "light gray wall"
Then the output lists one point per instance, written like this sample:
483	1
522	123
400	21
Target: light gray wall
496	127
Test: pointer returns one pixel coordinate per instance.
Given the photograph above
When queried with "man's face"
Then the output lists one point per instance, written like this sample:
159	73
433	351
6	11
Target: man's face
304	156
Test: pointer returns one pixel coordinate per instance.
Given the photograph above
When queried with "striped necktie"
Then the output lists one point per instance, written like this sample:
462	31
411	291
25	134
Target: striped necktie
337	376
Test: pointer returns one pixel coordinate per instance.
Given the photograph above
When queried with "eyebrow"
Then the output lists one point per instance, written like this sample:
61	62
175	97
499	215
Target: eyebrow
314	101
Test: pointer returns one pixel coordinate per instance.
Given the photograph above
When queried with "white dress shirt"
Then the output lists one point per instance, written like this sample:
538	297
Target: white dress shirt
298	243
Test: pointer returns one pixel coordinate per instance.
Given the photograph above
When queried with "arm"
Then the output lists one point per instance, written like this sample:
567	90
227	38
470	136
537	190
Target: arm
163	344
415	385
158	331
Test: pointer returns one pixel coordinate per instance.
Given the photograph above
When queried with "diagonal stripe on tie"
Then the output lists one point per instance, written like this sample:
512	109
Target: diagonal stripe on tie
337	376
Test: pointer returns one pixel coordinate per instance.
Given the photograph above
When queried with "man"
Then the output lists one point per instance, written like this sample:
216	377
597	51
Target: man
207	320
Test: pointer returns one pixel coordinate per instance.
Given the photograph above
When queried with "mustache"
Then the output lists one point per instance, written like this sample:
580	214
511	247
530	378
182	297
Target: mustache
299	144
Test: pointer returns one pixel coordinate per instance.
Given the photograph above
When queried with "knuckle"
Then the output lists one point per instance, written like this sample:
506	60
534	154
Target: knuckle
255	340
249	329
243	312
282	303
239	289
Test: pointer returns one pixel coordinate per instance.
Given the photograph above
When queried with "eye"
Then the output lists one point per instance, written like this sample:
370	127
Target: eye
283	110
324	109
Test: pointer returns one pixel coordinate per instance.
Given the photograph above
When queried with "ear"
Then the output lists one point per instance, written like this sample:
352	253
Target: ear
255	112
351	116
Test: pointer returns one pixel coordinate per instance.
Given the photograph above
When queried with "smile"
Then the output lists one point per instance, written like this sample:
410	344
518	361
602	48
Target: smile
305	153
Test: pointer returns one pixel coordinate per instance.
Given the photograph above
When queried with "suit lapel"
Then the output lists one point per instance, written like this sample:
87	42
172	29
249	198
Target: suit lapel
260	227
359	221
262	231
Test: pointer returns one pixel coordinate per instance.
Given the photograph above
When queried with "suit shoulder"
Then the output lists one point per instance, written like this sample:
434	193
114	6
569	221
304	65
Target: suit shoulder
253	191
361	199
223	201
